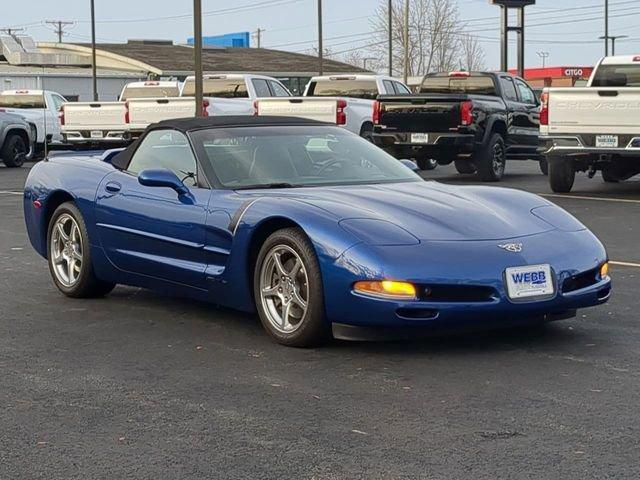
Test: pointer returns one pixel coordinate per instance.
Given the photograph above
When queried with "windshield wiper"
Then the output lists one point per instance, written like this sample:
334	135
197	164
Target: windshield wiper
268	185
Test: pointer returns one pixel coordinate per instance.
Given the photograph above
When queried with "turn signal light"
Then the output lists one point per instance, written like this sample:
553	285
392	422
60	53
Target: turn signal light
544	108
341	115
604	270
466	113
387	289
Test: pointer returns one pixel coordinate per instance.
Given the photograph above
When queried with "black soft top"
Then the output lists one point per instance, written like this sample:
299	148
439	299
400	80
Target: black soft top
121	160
197	123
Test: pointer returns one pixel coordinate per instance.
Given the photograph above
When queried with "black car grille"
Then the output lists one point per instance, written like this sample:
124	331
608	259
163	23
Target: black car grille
457	293
581	280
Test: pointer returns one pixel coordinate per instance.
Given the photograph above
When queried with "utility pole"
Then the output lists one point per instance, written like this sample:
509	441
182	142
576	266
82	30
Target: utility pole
543	56
11	31
613	39
606	28
197	53
258	34
59	25
94	73
390	12
406	41
320	48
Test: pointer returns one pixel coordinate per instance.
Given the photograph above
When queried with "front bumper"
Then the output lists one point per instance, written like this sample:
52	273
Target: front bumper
583	146
461	266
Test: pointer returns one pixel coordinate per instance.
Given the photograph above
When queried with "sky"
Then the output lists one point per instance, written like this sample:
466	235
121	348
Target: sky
567	29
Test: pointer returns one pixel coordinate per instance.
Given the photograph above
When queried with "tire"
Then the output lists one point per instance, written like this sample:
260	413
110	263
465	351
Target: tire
366	132
609	176
562	174
83	283
304	326
465	167
544	166
15	150
491	159
427	163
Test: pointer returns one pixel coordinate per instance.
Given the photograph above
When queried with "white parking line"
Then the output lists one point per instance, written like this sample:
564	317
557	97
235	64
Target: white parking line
7	192
580	197
625	264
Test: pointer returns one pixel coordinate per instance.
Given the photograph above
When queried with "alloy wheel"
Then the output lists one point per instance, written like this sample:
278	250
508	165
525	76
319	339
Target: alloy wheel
66	250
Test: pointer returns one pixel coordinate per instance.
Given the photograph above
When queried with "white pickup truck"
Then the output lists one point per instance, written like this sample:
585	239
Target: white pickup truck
345	100
39	107
118	122
593	128
234	94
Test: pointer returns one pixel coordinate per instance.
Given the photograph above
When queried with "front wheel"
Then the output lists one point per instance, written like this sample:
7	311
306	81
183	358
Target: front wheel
427	163
70	255
491	159
465	167
562	174
288	290
15	151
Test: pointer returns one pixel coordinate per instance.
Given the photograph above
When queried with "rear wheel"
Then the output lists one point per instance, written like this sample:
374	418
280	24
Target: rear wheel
465	167
562	174
69	255
427	163
288	290
366	132
491	159
544	166
15	150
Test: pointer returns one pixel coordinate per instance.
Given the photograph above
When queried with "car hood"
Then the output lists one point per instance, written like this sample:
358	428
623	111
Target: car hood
430	210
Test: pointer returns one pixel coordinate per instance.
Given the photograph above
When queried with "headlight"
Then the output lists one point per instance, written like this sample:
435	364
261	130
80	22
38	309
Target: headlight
389	289
604	270
558	218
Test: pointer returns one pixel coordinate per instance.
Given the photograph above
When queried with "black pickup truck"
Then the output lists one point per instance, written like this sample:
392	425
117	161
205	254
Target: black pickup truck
477	120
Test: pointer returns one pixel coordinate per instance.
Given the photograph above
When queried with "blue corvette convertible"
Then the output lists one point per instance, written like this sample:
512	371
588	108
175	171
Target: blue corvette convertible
311	226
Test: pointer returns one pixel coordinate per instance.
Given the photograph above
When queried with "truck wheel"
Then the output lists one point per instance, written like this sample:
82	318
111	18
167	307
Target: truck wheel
491	159
609	177
366	132
465	167
427	163
14	152
562	174
544	166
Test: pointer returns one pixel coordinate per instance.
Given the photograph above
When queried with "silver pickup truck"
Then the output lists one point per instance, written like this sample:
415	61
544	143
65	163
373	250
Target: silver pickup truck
17	138
593	128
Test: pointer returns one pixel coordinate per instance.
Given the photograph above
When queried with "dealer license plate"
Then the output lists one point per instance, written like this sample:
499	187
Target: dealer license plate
529	281
419	138
96	134
607	141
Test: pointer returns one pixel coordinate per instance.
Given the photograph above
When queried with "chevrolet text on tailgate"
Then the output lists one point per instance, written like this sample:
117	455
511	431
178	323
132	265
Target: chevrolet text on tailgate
478	120
595	128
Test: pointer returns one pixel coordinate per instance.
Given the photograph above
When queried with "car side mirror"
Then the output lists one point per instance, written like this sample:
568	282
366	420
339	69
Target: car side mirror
162	177
410	164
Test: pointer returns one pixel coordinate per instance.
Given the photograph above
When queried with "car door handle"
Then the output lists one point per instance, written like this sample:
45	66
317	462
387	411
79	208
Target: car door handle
113	187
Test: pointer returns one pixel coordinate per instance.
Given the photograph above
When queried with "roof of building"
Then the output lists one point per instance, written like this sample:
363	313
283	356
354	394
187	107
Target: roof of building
178	59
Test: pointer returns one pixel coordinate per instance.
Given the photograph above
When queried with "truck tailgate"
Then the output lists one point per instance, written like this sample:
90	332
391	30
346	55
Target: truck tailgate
145	111
599	110
94	115
323	109
420	113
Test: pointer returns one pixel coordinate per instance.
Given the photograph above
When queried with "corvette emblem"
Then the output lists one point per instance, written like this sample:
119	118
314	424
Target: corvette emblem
511	247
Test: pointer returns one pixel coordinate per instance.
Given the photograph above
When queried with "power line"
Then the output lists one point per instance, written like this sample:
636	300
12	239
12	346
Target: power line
59	27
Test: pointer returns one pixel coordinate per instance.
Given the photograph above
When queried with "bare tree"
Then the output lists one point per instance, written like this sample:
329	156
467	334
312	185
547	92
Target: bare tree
435	38
472	55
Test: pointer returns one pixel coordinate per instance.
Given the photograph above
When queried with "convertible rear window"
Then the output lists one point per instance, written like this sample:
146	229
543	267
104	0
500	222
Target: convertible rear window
295	156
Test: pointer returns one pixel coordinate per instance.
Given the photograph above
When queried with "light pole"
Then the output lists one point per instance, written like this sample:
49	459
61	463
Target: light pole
606	28
197	55
390	27
94	73
406	41
543	56
320	48
613	39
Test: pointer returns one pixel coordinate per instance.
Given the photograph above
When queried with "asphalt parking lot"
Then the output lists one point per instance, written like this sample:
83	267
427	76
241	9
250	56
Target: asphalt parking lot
138	385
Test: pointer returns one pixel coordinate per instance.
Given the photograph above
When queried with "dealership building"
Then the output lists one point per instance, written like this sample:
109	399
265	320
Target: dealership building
66	67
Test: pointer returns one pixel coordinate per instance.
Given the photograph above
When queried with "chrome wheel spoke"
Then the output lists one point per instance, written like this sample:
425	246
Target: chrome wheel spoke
270	292
298	300
286	312
296	268
277	263
63	235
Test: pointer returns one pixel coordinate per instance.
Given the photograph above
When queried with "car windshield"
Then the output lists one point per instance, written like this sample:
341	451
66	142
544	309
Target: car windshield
295	156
